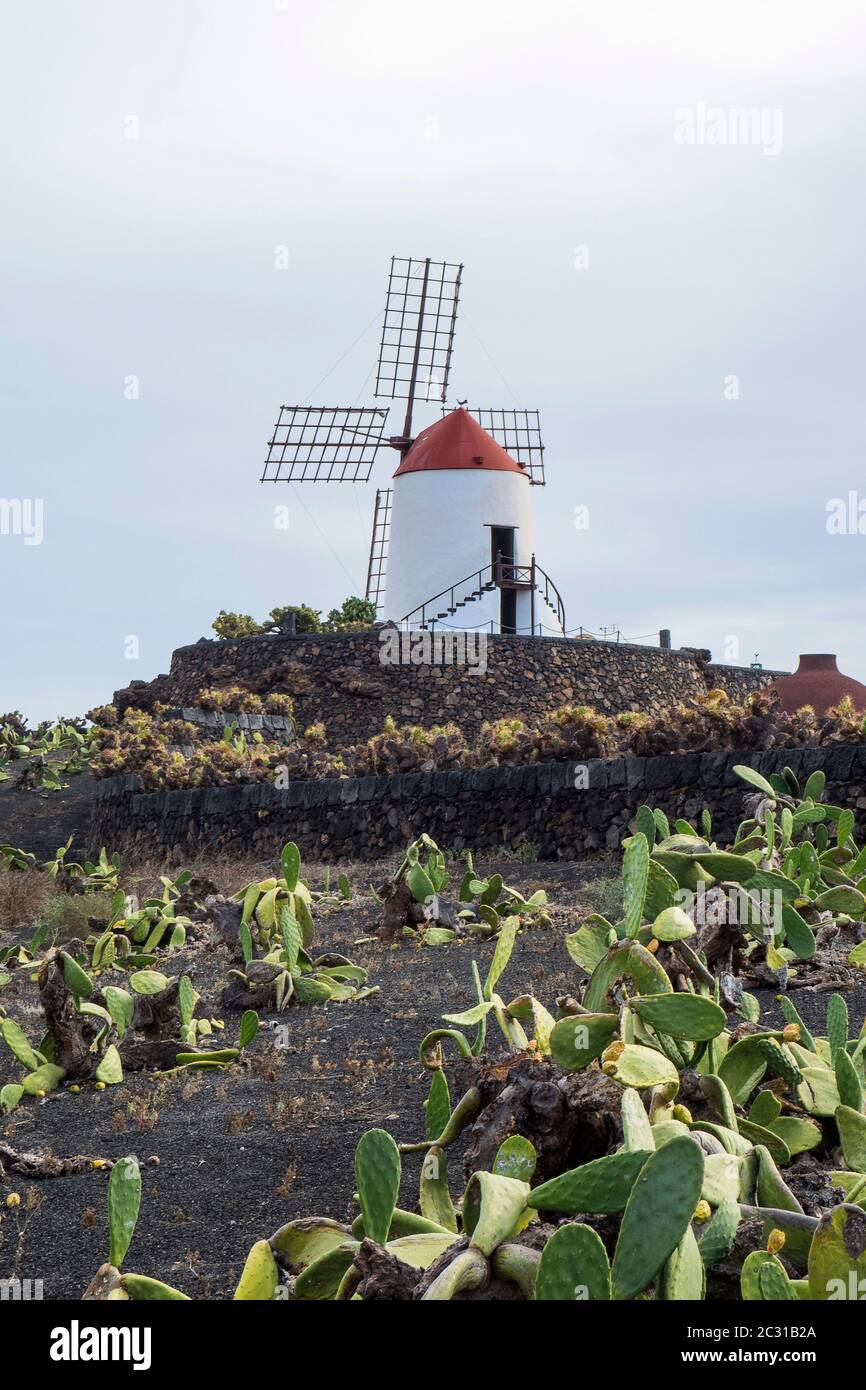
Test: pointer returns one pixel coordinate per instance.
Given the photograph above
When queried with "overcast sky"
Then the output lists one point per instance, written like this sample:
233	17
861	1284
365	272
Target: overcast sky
687	314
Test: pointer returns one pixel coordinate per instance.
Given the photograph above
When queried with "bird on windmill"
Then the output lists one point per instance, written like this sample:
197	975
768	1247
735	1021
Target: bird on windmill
454	531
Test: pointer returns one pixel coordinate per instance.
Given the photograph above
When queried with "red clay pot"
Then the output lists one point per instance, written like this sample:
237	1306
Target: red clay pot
818	682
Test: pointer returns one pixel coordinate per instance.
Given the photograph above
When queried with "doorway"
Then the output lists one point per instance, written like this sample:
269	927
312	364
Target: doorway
502	547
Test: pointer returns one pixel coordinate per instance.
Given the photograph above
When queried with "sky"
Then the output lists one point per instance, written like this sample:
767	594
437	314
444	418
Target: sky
659	210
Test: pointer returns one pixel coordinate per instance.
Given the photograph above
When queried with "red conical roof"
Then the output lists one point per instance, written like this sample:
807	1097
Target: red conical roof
457	441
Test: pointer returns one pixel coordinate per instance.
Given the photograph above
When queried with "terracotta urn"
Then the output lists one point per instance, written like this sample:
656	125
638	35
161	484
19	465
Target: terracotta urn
818	682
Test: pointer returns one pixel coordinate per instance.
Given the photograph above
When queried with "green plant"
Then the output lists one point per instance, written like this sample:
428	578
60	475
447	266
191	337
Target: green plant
124	1202
277	918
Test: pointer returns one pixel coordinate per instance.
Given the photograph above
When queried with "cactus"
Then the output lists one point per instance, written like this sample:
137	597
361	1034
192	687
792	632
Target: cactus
626	960
434	1197
658	1211
144	1290
377	1175
852	1136
774	1283
573	1265
633	1065
468	1270
635	869
638	1134
577	1041
718	1236
260	1276
516	1158
492	1206
124	1201
772	1190
837	1255
848	1082
601	1186
437	1106
687	1016
683	1277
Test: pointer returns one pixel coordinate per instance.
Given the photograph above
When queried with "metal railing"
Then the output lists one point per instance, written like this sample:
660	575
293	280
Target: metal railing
500	574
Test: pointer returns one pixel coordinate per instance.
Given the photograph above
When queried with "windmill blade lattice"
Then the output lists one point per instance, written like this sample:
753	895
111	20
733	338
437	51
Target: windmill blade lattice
315	444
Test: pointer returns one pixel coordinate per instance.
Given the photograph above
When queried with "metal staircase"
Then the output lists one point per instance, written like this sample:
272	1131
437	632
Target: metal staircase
378	565
501	574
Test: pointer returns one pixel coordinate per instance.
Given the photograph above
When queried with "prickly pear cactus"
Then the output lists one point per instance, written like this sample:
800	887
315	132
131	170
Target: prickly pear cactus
377	1176
124	1201
573	1266
659	1209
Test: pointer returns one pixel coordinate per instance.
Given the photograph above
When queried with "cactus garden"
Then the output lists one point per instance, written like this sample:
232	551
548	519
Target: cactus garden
445	1077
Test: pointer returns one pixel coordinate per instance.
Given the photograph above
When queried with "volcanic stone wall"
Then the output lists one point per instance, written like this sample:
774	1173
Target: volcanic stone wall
341	681
562	809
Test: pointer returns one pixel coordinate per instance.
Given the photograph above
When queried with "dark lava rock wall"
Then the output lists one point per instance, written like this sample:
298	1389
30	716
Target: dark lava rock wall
563	809
340	680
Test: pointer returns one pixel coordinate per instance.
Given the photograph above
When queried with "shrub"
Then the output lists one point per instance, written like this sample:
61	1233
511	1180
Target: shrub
228	625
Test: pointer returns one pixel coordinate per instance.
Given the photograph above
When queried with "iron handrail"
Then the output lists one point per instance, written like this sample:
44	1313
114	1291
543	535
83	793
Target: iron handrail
497	571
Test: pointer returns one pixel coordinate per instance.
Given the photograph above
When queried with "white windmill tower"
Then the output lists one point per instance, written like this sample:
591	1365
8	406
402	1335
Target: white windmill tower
452	541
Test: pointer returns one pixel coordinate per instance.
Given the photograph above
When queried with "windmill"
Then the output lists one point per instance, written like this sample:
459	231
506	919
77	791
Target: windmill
477	520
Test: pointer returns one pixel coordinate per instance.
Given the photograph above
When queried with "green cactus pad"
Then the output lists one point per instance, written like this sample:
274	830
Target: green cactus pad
848	1082
642	1067
742	1068
717	1239
516	1158
576	1041
46	1078
437	1106
837	1256
638	1133
770	1140
124	1201
730	868
573	1266
517	1264
659	1209
599	1187
765	1108
837	1024
750	1274
798	934
818	1092
377	1177
774	1284
467	1271
722	1177
143	1290
635	868
300	1243
798	1135
625	960
16	1041
687	1016
852	1136
772	1190
683	1278
421	1248
260	1276
322	1277
492	1207
434	1197
673	924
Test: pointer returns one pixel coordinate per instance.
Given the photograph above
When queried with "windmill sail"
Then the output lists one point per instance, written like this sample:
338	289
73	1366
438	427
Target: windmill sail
315	444
519	433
